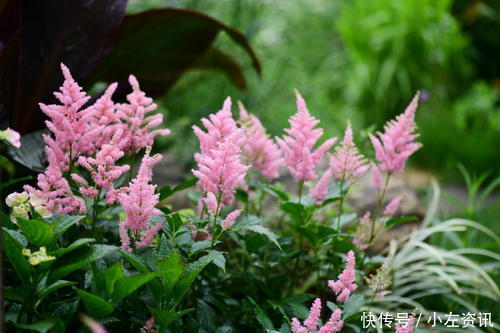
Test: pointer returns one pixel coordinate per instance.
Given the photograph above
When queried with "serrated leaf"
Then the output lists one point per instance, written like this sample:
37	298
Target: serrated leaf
129	284
96	306
352	306
200	245
65	222
37	232
264	231
218	259
165	317
205	315
261	316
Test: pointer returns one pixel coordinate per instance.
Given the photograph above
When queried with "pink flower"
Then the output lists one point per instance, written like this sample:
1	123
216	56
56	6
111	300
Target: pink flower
221	171
408	328
103	168
54	189
93	325
11	136
138	131
258	148
345	285
396	144
377	178
139	204
230	218
311	321
334	324
220	126
319	192
298	144
297	326
149	326
363	232
392	207
347	163
69	123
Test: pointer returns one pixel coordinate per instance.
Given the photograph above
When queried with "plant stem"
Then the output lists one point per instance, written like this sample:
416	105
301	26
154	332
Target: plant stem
94	210
299	190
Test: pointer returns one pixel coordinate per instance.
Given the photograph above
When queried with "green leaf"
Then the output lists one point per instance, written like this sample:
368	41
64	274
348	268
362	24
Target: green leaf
241	195
397	221
200	245
113	274
18	294
6	222
65	222
96	306
277	193
190	182
295	210
159	45
78	259
170	270
165	192
41	326
352	306
51	288
261	316
37	232
165	317
12	248
218	259
129	284
73	246
205	315
263	231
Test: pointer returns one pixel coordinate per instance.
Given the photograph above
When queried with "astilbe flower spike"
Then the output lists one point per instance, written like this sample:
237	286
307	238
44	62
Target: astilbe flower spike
230	218
346	165
397	143
379	282
139	203
377	178
362	235
408	327
138	131
392	206
334	324
221	172
297	146
70	124
103	170
345	285
259	149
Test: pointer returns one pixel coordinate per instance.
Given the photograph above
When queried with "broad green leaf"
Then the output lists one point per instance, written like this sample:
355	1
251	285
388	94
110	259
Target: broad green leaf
40	326
73	246
65	222
22	242
96	306
165	192
6	222
352	306
170	270
113	274
241	195
37	232
165	317
263	231
78	259
18	294
200	245
51	288
128	285
295	210
13	251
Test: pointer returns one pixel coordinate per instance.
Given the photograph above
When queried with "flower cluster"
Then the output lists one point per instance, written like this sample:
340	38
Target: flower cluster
397	143
37	257
345	285
346	165
362	236
259	149
11	137
95	137
220	169
408	327
21	204
379	282
334	324
297	146
139	203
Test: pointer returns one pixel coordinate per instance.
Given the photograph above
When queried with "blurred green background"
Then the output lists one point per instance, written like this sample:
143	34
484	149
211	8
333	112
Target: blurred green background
359	60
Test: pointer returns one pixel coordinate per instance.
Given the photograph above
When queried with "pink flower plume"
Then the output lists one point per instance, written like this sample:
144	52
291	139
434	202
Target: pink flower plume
312	320
345	285
230	218
298	145
397	143
392	206
259	149
334	324
408	327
